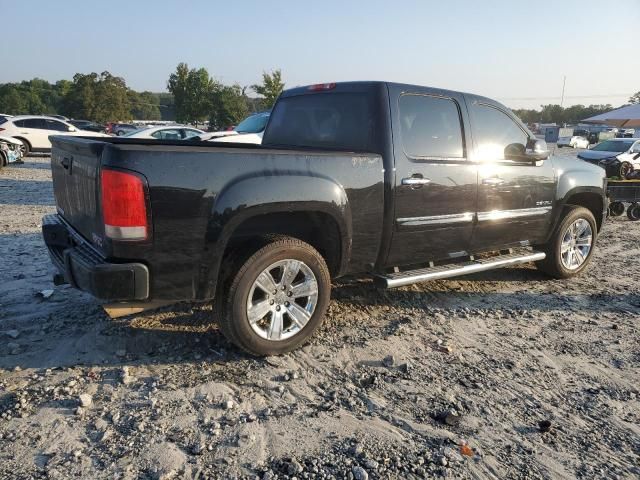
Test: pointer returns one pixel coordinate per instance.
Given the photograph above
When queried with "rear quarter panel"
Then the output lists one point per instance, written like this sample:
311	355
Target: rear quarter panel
199	195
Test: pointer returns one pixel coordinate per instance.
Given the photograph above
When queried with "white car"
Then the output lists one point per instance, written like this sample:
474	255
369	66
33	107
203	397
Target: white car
171	132
250	130
575	141
33	131
9	151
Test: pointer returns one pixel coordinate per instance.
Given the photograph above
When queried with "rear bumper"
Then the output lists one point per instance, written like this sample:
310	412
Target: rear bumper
85	269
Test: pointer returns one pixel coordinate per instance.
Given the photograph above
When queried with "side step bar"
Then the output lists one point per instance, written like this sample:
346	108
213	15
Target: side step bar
401	279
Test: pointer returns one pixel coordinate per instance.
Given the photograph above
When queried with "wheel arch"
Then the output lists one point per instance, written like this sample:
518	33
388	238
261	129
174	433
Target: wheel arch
313	209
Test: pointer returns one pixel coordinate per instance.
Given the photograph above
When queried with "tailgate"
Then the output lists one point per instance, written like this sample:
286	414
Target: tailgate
75	167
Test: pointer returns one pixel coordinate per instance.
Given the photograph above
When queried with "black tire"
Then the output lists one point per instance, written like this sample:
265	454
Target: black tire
616	209
625	169
553	265
633	212
233	319
26	147
3	160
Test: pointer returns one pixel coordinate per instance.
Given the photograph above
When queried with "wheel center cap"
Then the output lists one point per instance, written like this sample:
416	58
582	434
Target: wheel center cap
281	297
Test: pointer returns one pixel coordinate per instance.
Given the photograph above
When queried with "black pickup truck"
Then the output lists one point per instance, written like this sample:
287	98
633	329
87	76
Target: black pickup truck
402	182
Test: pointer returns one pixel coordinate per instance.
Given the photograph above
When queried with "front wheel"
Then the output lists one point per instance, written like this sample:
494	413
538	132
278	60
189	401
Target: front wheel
277	299
571	246
25	148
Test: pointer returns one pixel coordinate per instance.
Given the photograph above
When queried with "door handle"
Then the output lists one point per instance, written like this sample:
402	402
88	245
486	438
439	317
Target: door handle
493	181
66	163
415	181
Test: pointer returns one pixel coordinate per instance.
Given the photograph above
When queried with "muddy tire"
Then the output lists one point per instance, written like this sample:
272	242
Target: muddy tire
570	248
277	299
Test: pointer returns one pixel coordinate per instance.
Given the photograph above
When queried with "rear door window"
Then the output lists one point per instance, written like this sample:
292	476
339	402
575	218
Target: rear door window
344	121
430	127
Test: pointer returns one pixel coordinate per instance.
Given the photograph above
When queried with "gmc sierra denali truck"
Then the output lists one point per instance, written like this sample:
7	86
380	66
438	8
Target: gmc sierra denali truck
402	182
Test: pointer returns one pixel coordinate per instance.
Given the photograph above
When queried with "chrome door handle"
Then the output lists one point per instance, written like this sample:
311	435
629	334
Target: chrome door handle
493	181
415	181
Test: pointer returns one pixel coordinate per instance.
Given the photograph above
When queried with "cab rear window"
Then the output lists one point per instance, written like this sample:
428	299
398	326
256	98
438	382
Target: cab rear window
335	120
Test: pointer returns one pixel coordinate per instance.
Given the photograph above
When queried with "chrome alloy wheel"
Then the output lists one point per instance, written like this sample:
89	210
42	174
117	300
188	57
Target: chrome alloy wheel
282	299
576	244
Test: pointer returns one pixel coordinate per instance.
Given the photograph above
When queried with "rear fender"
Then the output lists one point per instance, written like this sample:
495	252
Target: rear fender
252	196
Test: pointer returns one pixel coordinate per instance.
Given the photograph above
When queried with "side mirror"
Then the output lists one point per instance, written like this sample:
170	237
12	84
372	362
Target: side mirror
535	151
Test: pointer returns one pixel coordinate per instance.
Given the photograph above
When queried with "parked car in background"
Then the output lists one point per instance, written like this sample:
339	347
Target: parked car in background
250	130
33	131
173	132
121	129
336	189
59	117
574	141
4	116
626	133
10	151
618	156
87	125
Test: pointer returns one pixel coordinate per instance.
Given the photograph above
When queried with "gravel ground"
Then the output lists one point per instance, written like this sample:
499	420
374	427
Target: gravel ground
505	374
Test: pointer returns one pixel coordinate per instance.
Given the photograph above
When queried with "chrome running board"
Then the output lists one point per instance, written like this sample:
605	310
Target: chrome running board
400	279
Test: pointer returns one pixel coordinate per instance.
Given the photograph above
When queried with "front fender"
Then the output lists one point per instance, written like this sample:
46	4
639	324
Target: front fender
575	176
256	195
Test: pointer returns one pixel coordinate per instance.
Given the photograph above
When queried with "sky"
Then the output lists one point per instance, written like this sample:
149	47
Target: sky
515	52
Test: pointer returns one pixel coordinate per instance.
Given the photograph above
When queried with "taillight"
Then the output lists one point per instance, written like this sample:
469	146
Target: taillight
322	86
124	206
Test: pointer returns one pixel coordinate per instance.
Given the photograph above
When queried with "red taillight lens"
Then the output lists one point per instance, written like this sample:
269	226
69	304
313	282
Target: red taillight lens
322	86
124	206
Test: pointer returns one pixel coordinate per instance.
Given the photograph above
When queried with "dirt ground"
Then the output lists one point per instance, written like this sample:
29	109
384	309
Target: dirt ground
505	374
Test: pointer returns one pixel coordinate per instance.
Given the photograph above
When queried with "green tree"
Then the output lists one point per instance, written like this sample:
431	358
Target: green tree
228	107
144	105
193	92
11	101
271	87
635	98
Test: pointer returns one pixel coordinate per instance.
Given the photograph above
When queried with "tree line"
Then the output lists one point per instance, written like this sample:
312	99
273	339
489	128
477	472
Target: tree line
194	96
569	115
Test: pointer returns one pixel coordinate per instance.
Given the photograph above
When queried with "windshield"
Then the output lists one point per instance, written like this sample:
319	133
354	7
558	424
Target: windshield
253	124
612	146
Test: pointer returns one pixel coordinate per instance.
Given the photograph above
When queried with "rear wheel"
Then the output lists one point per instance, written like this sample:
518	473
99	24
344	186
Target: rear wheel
571	246
633	212
277	299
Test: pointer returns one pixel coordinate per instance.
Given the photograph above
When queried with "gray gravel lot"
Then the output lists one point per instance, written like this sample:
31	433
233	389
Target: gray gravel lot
505	374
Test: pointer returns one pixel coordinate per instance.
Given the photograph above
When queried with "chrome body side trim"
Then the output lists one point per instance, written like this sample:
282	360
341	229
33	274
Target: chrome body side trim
508	214
466	217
